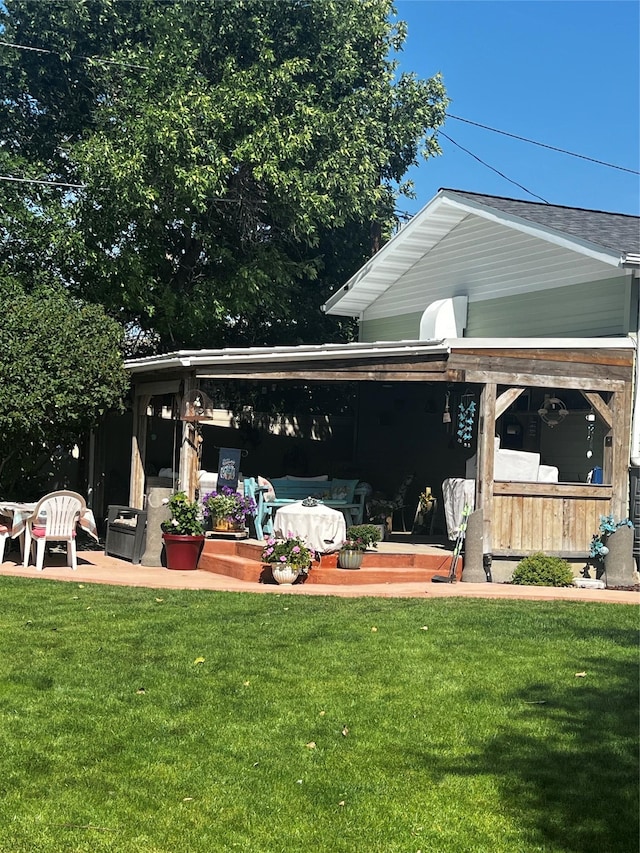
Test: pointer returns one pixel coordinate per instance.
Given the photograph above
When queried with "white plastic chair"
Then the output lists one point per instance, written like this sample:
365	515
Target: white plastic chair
4	535
54	520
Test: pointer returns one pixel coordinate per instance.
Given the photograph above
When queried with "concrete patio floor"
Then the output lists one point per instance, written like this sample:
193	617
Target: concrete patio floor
95	567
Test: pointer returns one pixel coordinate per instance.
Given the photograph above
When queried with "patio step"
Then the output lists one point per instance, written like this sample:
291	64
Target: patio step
241	560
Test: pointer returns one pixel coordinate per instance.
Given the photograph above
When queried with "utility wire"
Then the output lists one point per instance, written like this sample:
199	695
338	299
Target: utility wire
449	115
497	171
543	144
74	56
44	183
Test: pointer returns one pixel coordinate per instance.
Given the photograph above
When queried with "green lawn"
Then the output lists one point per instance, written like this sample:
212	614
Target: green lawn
143	720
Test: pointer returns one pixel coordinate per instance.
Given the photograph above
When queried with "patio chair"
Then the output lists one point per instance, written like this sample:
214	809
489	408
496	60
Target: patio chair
5	533
54	520
399	501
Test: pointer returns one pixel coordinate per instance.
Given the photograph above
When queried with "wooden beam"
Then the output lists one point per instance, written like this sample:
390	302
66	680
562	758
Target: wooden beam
621	447
535	380
156	389
611	356
567	368
506	399
336	375
596	402
138	452
486	453
552	490
189	447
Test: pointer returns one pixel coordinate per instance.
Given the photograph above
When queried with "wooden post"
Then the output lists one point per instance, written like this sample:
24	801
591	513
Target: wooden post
620	440
486	452
138	450
187	474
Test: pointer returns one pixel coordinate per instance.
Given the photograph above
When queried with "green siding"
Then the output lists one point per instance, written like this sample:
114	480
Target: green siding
405	327
592	309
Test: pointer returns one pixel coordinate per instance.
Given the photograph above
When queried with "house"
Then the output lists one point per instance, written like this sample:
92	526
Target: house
528	311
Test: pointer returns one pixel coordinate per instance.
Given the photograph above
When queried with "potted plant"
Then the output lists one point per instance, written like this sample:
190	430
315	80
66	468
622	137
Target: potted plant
379	512
359	538
288	558
183	533
228	509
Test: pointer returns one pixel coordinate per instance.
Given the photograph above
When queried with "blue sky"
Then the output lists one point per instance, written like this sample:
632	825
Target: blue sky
562	72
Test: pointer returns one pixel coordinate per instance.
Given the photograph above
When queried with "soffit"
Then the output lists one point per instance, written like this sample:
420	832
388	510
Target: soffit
410	246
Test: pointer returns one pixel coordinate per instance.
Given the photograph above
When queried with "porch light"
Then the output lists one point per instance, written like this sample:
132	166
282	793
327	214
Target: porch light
552	411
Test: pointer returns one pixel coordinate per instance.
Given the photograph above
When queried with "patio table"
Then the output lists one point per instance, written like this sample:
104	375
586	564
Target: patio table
18	513
323	529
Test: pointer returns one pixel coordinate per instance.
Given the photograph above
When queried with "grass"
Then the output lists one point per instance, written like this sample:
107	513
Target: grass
142	720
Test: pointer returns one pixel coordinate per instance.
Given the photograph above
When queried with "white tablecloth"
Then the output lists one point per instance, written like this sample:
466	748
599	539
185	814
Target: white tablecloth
323	529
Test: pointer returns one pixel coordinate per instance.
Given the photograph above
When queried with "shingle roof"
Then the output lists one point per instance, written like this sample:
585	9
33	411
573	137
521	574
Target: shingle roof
617	231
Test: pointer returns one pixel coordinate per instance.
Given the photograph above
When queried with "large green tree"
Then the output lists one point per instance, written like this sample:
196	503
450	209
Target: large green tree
232	158
62	370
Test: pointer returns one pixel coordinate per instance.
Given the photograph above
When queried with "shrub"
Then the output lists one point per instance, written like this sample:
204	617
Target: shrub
540	570
364	536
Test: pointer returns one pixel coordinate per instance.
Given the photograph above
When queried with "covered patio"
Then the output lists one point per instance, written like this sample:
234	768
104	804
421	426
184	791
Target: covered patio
513	517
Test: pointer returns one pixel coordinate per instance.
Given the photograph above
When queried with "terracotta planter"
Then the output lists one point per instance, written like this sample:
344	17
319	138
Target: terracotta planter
182	552
284	573
350	559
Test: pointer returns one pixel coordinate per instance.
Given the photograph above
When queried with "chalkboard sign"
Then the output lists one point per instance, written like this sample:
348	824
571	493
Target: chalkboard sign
229	467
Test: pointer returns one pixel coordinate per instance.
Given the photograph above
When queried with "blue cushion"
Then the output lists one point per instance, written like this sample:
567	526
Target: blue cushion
343	490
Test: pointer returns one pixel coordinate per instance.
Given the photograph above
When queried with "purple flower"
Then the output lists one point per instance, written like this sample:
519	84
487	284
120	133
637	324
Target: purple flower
283	559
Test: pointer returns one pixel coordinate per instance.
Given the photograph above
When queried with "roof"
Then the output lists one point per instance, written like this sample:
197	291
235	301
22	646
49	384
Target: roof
617	231
204	362
605	240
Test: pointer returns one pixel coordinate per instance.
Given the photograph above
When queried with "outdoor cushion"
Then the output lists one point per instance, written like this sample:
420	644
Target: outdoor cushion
321	477
270	494
343	490
39	532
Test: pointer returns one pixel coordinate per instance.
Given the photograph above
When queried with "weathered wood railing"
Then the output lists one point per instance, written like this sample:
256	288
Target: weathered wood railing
556	518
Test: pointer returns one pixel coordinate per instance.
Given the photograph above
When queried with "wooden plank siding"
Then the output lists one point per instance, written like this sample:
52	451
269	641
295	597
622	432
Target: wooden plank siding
556	518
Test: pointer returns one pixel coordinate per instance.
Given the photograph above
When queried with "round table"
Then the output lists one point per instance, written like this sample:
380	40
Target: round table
323	529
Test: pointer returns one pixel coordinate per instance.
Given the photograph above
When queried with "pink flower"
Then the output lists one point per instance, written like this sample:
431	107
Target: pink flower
283	559
295	549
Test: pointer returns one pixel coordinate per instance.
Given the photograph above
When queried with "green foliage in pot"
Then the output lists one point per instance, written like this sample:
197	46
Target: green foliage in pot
541	570
290	551
185	516
362	536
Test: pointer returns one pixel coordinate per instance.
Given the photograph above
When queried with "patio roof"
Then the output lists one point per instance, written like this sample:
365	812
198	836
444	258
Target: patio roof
587	363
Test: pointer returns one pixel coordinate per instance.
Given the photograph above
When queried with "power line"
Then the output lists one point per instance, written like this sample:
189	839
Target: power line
543	144
497	171
449	115
74	56
44	183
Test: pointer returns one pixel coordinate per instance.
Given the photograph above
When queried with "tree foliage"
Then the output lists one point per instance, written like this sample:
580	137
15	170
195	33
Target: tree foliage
61	367
233	157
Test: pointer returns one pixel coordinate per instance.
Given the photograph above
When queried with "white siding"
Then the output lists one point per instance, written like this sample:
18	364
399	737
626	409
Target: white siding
485	261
